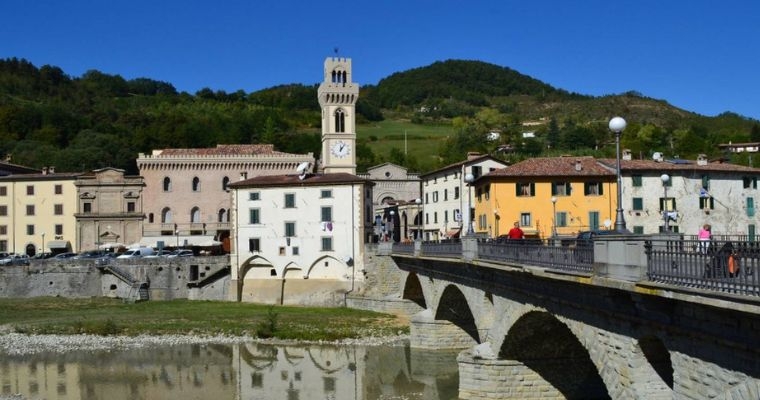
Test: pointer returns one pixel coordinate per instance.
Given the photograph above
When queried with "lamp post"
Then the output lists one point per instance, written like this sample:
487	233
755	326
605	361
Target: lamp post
176	233
469	178
554	216
617	125
392	225
418	202
43	243
665	178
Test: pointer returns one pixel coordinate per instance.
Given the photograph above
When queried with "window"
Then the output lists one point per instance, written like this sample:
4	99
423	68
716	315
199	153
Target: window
130	206
706	203
456	192
167	184
561	189
593	219
525	189
435	196
750	233
290	200
325	194
445	216
223	215
58	209
667	204
58	229
254	216
3	211
58	189
488	192
636	180
196	184
3	191
638	204
254	245
749	182
525	219
295	250
254	196
445	194
290	229
150	218
750	206
195	215
706	182
326	214
477	171
30	190
3	229
225	182
30	230
4	245
426	199
340	121
327	244
561	218
435	217
30	209
166	216
87	207
593	189
638	230
482	222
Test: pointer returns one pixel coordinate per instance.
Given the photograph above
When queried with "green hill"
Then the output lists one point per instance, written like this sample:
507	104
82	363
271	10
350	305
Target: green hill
421	118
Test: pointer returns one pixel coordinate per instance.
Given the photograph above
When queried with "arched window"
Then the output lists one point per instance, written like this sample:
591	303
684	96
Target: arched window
224	216
195	215
166	216
340	121
225	182
150	218
167	184
196	184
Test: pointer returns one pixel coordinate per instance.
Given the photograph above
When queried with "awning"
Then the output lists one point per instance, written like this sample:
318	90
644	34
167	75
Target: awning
59	244
453	234
174	241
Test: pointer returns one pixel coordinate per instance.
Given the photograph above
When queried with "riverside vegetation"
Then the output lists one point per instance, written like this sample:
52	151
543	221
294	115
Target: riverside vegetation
110	317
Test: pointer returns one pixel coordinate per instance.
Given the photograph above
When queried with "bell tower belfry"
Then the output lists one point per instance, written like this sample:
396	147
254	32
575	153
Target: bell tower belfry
337	96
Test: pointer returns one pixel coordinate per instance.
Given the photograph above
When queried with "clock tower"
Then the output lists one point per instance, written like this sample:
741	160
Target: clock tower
337	96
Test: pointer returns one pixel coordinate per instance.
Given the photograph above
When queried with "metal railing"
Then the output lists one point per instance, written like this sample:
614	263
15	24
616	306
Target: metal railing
723	265
444	248
575	259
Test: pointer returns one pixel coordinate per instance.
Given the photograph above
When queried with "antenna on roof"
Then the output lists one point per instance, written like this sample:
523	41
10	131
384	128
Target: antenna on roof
303	169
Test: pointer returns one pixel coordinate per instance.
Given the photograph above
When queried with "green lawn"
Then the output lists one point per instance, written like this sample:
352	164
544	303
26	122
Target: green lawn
420	141
106	316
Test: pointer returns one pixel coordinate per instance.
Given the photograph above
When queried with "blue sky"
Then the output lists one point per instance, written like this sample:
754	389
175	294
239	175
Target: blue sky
699	55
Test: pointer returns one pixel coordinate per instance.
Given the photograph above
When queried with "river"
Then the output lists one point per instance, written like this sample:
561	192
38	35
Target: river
232	371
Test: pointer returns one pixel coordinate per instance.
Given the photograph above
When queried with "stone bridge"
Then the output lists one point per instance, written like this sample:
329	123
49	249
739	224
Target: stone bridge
534	332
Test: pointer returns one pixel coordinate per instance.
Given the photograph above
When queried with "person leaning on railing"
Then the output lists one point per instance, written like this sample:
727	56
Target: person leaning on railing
704	236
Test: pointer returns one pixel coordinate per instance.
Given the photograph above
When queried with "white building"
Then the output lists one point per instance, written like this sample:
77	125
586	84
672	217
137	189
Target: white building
445	204
300	238
696	192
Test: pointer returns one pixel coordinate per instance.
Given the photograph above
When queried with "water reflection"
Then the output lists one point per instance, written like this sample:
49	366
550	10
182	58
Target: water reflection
234	371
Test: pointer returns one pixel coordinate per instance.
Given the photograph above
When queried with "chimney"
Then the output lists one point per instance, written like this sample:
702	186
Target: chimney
51	169
44	170
627	154
702	159
578	165
243	175
473	155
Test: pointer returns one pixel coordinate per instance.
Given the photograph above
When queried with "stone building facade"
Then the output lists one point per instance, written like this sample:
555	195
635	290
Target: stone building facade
110	210
186	199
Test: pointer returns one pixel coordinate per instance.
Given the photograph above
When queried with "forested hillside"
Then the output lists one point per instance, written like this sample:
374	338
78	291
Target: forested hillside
98	120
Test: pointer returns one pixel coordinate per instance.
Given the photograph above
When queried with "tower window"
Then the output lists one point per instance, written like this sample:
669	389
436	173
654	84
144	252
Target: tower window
340	121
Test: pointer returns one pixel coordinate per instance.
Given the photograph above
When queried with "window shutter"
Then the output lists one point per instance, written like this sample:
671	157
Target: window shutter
554	189
532	188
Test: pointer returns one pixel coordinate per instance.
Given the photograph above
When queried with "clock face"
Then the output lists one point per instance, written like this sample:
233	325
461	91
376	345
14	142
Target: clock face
341	149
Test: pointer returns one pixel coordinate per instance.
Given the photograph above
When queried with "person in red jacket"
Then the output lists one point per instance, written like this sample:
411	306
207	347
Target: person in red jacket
516	232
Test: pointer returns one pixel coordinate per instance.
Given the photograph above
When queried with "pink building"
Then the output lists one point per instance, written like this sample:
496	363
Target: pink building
186	200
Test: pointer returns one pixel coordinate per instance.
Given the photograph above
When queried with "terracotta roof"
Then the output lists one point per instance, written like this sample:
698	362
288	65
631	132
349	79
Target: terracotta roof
339	178
41	177
555	166
221	150
677	165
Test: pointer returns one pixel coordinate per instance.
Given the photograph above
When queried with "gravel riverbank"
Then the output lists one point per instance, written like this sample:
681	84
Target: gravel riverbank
22	344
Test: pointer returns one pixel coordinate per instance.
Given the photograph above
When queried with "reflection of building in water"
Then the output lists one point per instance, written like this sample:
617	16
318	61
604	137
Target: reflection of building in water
342	372
179	372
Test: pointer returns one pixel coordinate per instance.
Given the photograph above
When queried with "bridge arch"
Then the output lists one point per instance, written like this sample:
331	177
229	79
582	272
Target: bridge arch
454	307
413	291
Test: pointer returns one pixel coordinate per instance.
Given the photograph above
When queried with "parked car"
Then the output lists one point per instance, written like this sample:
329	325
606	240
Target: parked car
65	255
15	259
137	253
90	254
160	253
42	256
181	253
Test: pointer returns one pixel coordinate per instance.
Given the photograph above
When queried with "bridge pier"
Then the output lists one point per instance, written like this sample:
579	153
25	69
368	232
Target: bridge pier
426	332
501	379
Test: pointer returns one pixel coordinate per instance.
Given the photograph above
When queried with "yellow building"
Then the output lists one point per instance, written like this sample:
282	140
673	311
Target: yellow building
37	212
557	196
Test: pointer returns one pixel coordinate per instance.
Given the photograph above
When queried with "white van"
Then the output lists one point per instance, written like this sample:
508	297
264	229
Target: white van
137	253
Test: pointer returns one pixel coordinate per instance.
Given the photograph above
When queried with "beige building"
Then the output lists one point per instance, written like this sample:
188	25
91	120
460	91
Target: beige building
110	212
186	200
37	212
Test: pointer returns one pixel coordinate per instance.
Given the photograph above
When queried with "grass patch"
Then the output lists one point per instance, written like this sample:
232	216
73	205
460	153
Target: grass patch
421	141
105	316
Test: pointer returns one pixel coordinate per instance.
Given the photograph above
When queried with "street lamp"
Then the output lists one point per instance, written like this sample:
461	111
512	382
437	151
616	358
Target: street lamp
418	201
392	225
469	178
43	243
554	216
617	125
665	178
176	233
